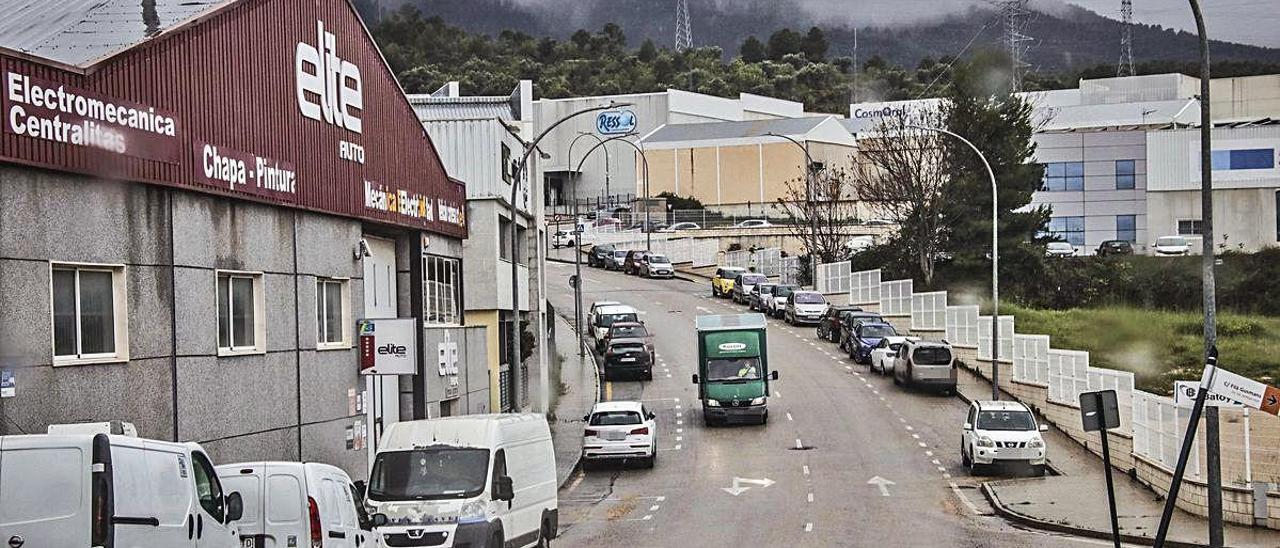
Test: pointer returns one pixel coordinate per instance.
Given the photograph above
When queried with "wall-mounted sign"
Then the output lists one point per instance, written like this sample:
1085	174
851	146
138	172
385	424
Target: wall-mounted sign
245	173
8	384
51	111
616	122
447	353
388	346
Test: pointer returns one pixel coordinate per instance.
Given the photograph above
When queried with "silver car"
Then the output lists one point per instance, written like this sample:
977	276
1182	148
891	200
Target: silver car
925	363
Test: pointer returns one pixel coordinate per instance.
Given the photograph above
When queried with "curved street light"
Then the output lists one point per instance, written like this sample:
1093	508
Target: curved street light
516	364
995	261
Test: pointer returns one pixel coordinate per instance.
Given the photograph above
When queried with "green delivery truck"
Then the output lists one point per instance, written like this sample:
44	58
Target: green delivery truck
733	368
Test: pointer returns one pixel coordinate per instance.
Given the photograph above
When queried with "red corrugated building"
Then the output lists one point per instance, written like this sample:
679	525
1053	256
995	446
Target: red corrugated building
199	201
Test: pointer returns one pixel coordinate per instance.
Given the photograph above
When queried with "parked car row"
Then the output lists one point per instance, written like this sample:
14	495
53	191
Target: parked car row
786	301
622	340
1164	246
638	262
437	482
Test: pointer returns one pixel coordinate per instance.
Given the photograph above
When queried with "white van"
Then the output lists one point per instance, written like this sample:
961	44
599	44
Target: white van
481	481
300	504
112	491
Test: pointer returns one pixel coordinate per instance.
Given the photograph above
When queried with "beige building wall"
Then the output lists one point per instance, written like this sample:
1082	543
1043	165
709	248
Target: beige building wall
1245	97
489	319
1240	216
739	174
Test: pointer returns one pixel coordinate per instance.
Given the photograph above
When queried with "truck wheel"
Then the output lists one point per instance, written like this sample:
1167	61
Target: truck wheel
765	419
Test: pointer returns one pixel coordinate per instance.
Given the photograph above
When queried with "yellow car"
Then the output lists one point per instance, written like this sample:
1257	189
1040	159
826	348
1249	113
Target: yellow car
722	283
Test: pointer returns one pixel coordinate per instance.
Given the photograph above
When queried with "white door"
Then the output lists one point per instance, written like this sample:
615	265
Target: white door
286	519
212	530
382	393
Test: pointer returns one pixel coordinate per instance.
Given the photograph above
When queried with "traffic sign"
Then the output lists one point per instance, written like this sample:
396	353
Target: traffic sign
1099	410
1184	395
1247	391
616	122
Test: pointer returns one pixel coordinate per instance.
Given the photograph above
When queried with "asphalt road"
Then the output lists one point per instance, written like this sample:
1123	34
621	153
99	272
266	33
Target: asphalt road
833	428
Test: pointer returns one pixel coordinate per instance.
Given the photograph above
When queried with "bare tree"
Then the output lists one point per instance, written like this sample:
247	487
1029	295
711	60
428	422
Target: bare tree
899	174
820	206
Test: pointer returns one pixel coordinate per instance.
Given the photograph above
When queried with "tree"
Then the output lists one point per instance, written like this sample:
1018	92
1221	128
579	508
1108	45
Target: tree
900	175
980	108
648	52
752	50
818	207
814	46
783	42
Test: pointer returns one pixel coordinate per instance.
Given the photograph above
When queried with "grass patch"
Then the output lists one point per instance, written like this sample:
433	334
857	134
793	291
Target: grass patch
1157	346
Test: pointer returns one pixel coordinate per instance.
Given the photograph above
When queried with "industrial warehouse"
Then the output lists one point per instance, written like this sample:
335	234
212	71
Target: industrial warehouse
198	213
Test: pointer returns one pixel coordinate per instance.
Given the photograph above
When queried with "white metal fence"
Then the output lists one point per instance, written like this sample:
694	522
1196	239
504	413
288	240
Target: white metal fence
929	310
1068	375
832	278
895	298
740	259
1031	359
768	261
1158	427
962	325
1006	338
865	287
790	273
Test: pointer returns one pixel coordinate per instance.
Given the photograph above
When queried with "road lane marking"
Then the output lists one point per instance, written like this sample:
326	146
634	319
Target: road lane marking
577	481
789	416
810	497
679	430
608	391
679	438
909	428
806	469
936	462
923	444
654	508
808	527
798	444
916	436
928	453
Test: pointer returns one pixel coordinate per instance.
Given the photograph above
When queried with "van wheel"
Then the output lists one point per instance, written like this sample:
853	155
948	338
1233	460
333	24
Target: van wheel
496	540
544	536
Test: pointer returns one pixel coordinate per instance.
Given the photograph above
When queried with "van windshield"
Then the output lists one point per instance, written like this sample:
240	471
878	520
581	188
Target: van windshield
1012	421
932	355
429	473
784	290
733	369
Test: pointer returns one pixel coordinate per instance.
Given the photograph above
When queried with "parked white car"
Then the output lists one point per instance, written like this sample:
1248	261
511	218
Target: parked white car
1059	249
562	238
657	266
620	430
805	307
1171	246
928	364
681	226
106	488
605	316
753	223
858	244
1002	432
885	352
595	307
292	503
471	480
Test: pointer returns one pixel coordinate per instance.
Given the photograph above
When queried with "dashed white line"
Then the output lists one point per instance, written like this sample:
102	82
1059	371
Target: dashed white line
808	527
798	444
941	469
789	416
810	497
928	453
806	469
909	428
916	436
923	444
936	461
654	508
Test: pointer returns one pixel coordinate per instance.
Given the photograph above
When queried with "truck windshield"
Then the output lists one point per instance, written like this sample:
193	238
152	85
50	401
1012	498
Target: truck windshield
733	369
429	473
1006	421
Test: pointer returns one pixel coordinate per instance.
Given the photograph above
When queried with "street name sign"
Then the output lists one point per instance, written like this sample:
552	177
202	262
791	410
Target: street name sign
1239	388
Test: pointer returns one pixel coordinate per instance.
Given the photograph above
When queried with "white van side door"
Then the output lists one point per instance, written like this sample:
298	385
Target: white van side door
211	506
46	492
286	521
151	482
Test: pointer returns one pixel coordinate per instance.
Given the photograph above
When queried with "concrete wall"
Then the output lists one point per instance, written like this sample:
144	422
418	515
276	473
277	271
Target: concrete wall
290	402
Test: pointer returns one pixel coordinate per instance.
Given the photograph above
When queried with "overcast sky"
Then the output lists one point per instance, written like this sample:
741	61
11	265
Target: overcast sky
1246	21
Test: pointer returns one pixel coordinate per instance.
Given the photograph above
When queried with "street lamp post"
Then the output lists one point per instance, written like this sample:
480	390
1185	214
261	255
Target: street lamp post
808	184
515	365
995	262
577	239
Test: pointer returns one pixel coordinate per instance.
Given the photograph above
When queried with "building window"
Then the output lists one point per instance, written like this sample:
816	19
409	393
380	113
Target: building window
332	314
1127	228
241	328
90	319
1063	176
441	289
1255	158
505	168
1190	227
1126	174
1068	229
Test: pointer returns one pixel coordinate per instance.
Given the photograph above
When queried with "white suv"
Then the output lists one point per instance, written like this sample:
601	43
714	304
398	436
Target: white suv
1002	432
620	430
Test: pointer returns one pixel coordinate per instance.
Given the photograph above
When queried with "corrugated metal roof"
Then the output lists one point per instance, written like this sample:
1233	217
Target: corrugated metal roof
790	127
433	108
80	32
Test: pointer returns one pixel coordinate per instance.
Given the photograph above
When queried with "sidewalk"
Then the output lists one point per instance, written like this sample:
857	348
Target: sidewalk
1076	501
579	389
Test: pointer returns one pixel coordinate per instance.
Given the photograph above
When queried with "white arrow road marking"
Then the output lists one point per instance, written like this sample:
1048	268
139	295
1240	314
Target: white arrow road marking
701	309
738	487
882	483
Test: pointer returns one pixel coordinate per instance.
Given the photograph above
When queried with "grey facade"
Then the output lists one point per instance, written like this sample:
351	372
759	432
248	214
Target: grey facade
1106	201
292	400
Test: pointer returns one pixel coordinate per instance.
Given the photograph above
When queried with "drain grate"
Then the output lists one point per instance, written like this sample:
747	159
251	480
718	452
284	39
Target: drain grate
801	448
